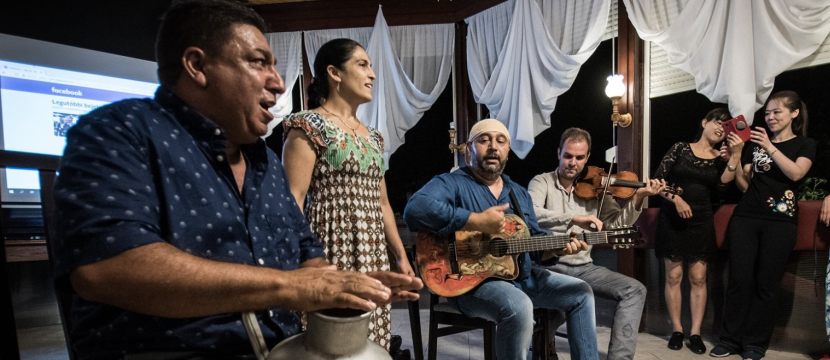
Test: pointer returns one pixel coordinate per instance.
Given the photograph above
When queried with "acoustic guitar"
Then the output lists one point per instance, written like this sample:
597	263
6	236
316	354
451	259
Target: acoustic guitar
452	267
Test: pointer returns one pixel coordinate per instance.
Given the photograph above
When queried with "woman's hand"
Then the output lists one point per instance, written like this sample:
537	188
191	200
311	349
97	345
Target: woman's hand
760	137
405	267
824	215
724	152
683	208
733	145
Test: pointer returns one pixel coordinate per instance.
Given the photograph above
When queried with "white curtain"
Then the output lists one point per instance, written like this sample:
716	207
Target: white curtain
523	54
412	64
315	39
733	49
288	52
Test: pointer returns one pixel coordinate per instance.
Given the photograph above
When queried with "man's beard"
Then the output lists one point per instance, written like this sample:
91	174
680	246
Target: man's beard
563	175
490	172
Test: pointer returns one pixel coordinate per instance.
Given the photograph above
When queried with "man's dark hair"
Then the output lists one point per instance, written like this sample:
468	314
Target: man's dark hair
575	134
205	24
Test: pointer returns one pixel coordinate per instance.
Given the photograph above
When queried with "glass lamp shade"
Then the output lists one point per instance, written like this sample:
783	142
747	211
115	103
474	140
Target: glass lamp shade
615	87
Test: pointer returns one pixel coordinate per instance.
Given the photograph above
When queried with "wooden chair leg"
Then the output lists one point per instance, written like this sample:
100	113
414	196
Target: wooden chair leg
415	326
432	346
489	343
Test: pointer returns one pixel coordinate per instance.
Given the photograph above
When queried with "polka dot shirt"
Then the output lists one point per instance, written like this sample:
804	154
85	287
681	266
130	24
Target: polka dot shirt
144	171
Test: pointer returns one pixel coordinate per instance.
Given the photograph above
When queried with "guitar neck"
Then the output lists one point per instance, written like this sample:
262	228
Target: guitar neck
551	242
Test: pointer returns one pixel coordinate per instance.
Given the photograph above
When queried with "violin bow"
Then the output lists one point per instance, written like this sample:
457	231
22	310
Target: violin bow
605	188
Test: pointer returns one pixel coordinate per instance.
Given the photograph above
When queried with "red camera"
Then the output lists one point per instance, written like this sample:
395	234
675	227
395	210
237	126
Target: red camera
738	126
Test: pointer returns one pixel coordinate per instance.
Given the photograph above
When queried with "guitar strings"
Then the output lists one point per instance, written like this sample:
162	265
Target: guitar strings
539	243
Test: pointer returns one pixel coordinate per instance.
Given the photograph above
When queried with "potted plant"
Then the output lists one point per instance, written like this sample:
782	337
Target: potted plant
812	189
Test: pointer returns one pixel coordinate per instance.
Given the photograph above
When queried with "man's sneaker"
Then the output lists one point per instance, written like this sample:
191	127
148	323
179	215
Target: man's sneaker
720	351
752	355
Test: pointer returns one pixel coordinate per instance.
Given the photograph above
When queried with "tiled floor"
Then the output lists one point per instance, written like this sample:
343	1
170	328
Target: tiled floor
47	343
468	345
40	335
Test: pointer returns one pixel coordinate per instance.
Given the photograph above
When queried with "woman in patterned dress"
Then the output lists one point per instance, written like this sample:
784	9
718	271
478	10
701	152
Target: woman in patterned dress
335	162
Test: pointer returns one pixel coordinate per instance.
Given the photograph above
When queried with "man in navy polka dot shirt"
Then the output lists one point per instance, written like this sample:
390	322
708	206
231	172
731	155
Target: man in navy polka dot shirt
173	216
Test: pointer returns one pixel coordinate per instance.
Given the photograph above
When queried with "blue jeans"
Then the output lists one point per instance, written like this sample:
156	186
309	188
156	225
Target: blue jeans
628	293
511	308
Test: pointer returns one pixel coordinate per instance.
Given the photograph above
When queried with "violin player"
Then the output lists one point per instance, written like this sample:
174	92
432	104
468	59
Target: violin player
559	210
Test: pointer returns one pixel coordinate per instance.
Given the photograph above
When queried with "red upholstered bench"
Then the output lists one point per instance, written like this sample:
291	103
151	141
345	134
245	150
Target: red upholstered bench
810	233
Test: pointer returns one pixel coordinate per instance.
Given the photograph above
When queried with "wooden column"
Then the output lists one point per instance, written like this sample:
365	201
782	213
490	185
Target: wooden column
464	104
630	139
307	77
630	65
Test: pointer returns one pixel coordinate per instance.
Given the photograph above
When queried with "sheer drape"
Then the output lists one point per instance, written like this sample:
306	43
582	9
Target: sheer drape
314	39
288	52
523	54
412	64
733	49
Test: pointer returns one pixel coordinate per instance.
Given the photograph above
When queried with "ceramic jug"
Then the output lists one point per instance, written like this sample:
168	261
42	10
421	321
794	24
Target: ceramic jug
332	334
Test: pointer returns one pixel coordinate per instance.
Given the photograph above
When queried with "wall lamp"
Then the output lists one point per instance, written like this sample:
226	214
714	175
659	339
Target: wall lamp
615	90
460	148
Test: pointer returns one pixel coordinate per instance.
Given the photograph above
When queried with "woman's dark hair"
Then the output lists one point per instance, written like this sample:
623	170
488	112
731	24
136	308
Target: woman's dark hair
335	52
205	24
792	101
719	113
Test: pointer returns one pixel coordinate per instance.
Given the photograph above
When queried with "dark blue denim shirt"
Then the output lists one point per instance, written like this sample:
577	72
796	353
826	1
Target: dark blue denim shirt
445	203
143	171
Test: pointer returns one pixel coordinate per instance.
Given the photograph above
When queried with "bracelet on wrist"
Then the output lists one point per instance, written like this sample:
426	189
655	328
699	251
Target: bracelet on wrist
731	167
775	150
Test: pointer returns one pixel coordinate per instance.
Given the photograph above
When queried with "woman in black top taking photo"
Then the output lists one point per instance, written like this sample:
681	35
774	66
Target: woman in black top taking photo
686	226
762	231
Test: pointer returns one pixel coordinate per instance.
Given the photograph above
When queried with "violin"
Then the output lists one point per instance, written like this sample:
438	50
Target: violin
622	185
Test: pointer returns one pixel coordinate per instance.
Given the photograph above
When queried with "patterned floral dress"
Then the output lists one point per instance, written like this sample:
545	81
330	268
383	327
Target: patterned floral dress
343	203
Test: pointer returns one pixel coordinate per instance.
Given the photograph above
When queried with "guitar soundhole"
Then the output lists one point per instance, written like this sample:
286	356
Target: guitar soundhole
498	247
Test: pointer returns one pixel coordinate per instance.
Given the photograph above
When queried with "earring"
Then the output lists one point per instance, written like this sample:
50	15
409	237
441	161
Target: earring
338	87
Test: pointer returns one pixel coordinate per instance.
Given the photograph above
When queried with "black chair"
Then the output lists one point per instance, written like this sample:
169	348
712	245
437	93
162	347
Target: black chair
63	290
47	167
443	313
9	330
415	327
414	309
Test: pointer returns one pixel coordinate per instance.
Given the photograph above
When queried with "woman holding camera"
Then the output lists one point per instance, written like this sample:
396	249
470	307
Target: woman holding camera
685	228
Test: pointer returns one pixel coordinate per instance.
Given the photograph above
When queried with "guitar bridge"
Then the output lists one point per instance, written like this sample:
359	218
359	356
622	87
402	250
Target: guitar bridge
454	277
